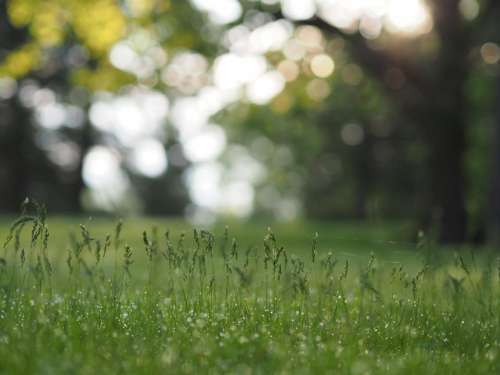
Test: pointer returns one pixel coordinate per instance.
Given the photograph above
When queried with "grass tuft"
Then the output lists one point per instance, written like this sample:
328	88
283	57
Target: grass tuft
210	303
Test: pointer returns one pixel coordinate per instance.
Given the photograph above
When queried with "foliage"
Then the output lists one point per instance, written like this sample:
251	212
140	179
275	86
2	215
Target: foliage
96	26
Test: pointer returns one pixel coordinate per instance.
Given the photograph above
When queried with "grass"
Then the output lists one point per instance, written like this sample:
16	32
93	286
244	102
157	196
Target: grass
118	299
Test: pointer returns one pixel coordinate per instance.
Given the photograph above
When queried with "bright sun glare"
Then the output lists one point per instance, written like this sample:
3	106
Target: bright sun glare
409	17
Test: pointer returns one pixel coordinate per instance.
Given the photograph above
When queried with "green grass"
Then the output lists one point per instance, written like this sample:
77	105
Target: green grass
111	299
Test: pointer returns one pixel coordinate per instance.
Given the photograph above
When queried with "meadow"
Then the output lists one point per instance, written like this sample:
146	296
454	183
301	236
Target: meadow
147	296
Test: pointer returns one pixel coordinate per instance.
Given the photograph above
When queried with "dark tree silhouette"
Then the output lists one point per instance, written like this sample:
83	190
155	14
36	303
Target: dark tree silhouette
433	99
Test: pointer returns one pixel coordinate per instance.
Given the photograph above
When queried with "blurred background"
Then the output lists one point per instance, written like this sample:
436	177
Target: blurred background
372	110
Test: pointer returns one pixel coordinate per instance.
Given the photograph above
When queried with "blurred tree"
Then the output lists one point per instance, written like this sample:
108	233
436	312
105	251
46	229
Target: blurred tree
429	88
367	160
20	158
33	53
64	47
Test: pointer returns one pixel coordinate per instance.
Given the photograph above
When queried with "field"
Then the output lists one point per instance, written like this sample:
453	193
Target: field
156	296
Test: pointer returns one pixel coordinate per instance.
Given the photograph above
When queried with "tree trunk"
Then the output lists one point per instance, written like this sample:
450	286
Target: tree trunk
364	174
494	214
14	147
447	132
85	139
447	148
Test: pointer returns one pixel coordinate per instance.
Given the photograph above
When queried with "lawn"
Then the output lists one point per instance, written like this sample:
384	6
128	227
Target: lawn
156	296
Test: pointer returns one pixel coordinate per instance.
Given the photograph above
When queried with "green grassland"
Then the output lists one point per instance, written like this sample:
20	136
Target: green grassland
147	296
